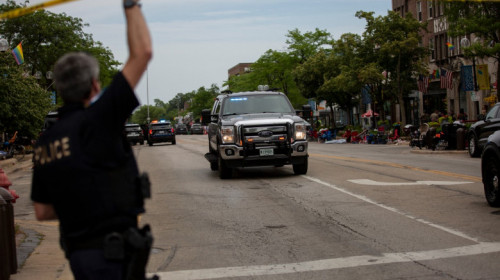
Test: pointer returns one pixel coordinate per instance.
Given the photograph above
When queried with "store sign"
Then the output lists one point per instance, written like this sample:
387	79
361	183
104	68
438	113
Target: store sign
440	25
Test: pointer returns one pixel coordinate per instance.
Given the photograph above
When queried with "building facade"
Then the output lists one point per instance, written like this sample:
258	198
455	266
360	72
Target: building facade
455	83
239	69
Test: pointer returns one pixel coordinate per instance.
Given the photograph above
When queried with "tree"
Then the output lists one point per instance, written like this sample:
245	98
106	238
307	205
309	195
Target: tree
47	36
274	69
344	84
303	46
24	103
140	116
245	82
480	19
203	99
333	75
393	43
311	77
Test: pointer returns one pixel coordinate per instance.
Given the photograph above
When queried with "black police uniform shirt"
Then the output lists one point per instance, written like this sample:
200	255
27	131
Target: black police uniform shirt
86	169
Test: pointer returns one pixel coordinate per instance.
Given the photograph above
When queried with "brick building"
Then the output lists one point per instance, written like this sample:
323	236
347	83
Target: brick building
239	69
446	56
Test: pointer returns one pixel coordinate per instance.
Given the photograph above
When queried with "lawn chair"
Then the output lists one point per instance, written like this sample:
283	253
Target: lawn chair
395	136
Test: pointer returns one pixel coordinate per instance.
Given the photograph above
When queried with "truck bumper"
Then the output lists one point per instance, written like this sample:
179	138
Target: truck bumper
234	156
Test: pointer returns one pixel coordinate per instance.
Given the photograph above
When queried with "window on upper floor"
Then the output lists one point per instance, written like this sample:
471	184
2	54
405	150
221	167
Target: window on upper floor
432	49
419	11
430	9
440	9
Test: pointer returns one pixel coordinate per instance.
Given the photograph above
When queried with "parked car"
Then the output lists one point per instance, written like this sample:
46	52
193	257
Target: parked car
490	169
196	128
134	133
161	131
181	129
479	132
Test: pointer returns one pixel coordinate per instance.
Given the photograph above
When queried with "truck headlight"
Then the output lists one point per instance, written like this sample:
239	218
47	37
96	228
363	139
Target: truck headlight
227	133
300	131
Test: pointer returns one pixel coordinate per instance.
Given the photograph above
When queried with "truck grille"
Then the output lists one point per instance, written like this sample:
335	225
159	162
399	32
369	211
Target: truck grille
276	137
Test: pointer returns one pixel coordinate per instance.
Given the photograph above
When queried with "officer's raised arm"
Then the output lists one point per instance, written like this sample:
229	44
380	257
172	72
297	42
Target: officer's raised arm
139	43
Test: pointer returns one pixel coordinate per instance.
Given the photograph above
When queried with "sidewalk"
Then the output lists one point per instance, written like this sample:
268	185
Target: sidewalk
39	255
46	260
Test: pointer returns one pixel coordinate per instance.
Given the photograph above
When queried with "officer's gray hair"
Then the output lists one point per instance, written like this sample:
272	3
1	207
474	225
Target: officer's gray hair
73	74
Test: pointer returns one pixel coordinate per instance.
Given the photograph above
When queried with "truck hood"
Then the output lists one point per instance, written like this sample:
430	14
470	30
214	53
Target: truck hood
261	119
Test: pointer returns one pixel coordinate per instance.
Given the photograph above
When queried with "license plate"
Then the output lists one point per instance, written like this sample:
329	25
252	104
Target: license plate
266	152
161	132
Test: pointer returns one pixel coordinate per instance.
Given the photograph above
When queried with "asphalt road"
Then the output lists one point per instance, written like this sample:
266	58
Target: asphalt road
361	212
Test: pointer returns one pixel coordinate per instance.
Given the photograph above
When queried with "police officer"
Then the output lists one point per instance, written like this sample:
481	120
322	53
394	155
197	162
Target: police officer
88	182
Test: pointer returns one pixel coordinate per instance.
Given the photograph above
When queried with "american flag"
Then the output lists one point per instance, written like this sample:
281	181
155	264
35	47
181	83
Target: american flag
423	83
446	79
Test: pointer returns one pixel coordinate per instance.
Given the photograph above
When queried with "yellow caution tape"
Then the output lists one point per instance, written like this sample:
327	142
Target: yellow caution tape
27	10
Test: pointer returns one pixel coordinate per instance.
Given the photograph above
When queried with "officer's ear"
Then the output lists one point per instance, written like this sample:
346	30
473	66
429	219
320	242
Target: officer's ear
95	87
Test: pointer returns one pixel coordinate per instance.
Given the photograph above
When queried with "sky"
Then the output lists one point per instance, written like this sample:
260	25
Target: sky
195	42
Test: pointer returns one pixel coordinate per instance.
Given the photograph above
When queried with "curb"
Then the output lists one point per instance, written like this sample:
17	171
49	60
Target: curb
13	165
28	244
425	151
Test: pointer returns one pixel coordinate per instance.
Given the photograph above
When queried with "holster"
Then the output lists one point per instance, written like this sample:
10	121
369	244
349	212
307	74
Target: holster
138	243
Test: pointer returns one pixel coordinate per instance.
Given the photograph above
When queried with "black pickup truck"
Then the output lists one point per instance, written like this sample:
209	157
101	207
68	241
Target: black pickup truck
255	129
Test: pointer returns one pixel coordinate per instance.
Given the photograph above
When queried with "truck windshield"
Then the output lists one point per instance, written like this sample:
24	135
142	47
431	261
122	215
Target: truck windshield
255	104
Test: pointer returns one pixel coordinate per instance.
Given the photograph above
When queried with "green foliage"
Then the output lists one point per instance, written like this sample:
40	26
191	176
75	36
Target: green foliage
277	68
274	69
24	103
140	115
480	19
203	99
391	45
47	36
246	82
303	46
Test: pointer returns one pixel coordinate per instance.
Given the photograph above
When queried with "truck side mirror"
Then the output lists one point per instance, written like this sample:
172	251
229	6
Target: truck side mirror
206	116
306	111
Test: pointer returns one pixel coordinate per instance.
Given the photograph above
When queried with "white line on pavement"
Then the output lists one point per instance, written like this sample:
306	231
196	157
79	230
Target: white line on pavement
346	262
367	200
429	183
328	264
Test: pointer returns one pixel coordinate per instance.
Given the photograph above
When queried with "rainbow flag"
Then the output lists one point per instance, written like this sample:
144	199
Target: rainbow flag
17	52
450	46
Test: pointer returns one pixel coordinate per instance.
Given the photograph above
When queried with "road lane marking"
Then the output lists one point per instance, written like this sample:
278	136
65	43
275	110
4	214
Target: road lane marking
428	183
345	262
368	200
397	165
329	264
